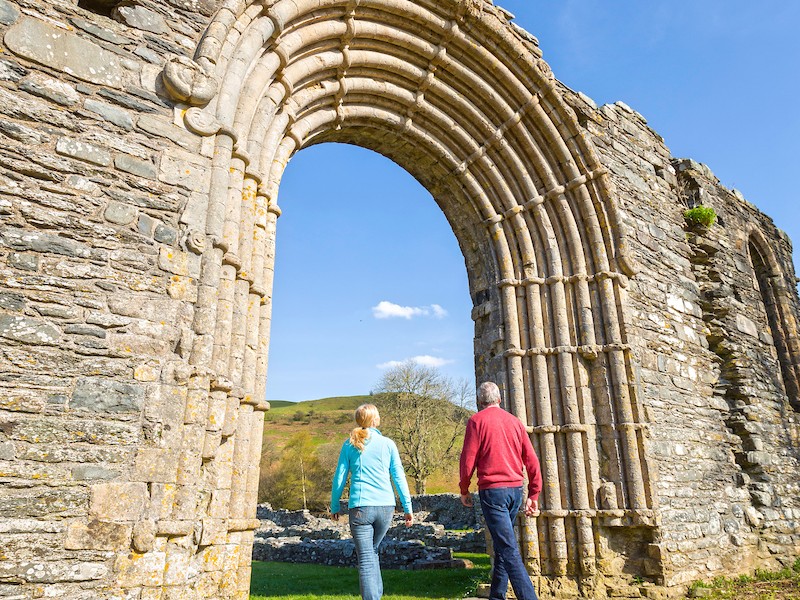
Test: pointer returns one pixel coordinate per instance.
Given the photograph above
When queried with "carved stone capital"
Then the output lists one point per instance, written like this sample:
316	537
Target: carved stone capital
186	81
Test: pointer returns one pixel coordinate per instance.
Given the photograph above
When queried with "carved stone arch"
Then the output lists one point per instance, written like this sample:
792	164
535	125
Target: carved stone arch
776	294
463	102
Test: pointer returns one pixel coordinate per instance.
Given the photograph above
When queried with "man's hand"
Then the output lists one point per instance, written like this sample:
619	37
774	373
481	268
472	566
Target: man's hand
531	506
409	519
466	500
335	516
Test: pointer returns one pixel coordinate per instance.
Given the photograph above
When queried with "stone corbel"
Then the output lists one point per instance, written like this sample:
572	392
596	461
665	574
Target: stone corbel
189	82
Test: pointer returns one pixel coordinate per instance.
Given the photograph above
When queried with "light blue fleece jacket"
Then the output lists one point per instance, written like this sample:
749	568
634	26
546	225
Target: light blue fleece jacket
373	472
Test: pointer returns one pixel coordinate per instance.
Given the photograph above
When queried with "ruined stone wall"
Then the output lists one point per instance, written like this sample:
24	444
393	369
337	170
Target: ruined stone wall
101	488
136	239
723	429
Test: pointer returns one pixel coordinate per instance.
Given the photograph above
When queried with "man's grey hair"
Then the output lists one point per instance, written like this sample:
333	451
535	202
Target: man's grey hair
488	393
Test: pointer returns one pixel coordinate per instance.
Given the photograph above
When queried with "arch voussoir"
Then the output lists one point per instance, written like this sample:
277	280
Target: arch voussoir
466	106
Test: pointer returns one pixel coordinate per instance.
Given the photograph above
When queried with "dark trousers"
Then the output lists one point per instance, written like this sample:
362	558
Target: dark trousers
500	507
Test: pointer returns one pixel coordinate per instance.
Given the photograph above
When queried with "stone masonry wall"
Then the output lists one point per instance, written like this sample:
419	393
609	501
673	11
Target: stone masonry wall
97	280
727	460
131	394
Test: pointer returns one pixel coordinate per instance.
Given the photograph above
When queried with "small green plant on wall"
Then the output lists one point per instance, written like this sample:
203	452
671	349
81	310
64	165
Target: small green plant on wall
700	215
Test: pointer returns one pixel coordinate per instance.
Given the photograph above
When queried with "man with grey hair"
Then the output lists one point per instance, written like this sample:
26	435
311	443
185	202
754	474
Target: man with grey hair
497	444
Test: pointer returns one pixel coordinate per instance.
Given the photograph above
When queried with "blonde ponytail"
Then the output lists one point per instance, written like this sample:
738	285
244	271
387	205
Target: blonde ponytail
366	416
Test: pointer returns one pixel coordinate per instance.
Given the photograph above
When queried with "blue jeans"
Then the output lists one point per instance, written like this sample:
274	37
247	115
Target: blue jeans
500	507
368	526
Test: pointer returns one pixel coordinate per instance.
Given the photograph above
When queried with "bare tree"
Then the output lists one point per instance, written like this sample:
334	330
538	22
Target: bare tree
425	413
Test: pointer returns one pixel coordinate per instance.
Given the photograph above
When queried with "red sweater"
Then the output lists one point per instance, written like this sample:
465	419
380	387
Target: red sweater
497	443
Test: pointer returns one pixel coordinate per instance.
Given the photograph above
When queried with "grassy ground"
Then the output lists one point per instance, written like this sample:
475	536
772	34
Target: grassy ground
764	585
313	582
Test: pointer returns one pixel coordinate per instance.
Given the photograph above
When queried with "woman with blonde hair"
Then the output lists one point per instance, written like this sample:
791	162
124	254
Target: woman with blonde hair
373	463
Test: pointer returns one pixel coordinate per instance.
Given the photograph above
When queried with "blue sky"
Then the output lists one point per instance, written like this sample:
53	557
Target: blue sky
368	272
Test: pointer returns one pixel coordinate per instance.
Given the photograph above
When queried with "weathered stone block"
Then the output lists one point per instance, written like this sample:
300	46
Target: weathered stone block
147	372
51	572
110	113
80	329
179	566
144	536
98	394
29	331
119	213
165	235
24	134
138	345
12	302
146	225
156	465
7	451
182	288
747	326
164	128
177	169
24	401
93	473
50	89
24	262
174	261
134	569
162	499
36	241
136	166
98	535
83	151
140	17
100	32
42	502
8	13
119	501
11	71
64	51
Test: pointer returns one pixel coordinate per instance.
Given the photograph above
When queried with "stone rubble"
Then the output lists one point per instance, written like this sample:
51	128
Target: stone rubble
300	537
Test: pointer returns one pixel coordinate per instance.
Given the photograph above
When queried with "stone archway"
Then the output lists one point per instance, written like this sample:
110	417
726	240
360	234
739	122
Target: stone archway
463	101
138	213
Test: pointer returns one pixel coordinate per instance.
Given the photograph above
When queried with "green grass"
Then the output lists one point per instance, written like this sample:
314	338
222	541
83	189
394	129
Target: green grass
314	582
275	404
763	585
323	405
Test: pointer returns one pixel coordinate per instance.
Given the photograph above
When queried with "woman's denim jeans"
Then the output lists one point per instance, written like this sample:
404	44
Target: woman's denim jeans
368	525
500	507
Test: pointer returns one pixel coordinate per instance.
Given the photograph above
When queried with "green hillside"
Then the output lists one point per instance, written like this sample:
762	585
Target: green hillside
329	422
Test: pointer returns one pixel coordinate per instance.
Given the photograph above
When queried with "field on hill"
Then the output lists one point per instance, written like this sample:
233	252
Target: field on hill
328	422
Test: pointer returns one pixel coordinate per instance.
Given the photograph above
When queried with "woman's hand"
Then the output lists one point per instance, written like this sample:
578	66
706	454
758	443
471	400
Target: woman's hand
335	516
409	519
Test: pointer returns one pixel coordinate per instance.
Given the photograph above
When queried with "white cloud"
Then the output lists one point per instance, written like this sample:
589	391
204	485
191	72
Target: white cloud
438	311
424	361
390	310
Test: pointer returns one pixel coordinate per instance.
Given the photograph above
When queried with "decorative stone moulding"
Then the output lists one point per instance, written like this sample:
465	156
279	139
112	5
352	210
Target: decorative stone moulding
189	82
196	242
201	122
